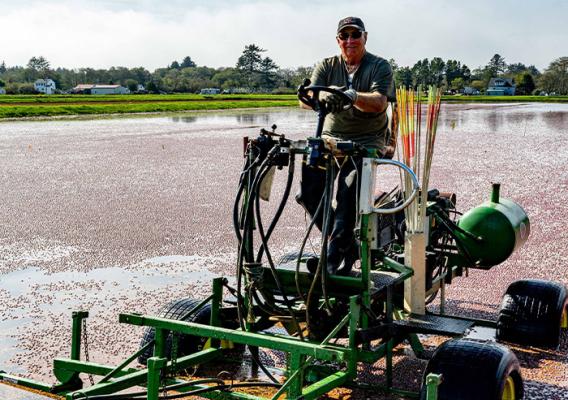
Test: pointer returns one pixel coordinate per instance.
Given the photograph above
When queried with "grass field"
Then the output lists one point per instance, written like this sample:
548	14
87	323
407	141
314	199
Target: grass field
39	105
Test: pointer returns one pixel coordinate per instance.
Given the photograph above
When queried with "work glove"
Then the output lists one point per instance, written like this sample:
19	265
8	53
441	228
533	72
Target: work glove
336	103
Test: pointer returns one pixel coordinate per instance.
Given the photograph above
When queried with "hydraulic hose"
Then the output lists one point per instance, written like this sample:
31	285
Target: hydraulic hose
247	231
328	193
280	206
304	241
249	166
265	245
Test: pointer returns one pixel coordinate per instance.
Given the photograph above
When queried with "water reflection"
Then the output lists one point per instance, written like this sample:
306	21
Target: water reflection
186	119
255	119
249	118
555	119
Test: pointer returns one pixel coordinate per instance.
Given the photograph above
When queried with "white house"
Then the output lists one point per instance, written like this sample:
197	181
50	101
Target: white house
2	90
210	91
90	88
501	87
45	86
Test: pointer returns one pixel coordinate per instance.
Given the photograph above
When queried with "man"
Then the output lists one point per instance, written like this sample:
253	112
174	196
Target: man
368	82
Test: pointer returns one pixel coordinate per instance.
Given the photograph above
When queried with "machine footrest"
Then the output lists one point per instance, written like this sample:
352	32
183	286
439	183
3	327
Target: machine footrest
434	324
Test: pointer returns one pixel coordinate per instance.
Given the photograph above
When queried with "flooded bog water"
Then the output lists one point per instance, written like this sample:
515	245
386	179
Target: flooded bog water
126	214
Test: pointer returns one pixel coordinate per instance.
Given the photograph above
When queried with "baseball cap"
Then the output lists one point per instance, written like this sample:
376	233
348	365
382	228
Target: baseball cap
353	22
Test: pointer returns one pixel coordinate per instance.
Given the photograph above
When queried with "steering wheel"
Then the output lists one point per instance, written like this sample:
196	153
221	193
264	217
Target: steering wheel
309	95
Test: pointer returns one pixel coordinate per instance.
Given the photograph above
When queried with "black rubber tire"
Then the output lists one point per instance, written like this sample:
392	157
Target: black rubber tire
531	313
187	344
473	370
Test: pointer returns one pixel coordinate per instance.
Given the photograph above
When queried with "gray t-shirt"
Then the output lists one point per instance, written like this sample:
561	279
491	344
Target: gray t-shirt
373	75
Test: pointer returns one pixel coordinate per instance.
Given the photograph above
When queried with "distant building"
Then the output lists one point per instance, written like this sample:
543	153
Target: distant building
140	88
470	91
90	88
2	90
45	86
501	87
210	91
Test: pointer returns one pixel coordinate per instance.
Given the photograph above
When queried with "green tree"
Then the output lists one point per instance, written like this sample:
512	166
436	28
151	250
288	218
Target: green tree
524	83
533	70
496	65
555	77
421	73
174	65
258	71
516	68
251	59
393	64
2	67
436	71
38	64
228	78
152	87
403	77
187	63
479	85
457	84
132	85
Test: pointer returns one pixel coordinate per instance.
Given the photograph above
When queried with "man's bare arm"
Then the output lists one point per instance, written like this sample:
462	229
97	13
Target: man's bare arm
371	102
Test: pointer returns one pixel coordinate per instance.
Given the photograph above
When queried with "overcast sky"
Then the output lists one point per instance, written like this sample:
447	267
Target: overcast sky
153	33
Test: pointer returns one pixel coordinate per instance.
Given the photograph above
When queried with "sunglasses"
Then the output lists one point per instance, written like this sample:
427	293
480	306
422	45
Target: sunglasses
347	35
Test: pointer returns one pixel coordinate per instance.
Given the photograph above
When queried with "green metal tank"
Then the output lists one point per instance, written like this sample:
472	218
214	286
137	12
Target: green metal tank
493	231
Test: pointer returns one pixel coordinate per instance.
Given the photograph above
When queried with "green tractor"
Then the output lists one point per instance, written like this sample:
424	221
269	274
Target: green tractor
329	324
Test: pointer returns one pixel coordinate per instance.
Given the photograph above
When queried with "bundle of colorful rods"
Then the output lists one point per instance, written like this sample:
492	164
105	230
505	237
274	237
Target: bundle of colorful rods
413	144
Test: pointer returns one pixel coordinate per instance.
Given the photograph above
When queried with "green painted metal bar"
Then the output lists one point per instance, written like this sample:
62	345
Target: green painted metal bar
196	308
100	369
295	374
432	383
388	361
126	362
323	386
365	267
331	335
256	339
337	285
28	383
155	368
219	395
160	336
354	312
87	367
125	379
216	300
416	345
76	333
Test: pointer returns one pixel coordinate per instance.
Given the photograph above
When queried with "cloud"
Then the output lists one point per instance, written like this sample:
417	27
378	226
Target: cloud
152	34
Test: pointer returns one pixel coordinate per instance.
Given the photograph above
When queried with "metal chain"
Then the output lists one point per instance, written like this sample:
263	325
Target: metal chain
174	353
86	347
173	357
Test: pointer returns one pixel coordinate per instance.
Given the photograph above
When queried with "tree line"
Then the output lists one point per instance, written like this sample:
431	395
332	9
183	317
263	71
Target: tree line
255	72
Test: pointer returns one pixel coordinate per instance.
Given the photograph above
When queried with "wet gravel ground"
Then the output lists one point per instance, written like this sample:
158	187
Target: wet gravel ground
125	214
